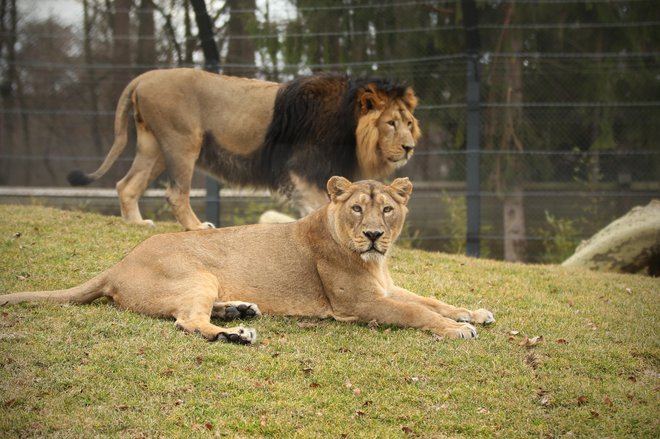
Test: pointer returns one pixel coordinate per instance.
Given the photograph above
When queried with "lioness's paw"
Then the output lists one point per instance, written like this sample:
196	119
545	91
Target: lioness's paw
483	316
205	226
238	335
235	310
461	330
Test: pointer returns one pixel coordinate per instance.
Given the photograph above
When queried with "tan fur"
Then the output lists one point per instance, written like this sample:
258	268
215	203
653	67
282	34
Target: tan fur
324	265
383	129
174	109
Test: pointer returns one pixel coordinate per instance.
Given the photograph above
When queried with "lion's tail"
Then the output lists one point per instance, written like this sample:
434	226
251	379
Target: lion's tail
84	293
80	178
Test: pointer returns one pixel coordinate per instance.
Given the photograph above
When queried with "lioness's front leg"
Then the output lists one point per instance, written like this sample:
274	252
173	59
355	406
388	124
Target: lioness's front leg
405	314
482	316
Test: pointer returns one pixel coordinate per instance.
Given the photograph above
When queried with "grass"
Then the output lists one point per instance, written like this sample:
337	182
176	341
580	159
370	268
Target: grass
95	370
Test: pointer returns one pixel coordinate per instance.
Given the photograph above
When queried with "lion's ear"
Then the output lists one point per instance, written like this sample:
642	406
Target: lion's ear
410	99
337	186
403	188
370	99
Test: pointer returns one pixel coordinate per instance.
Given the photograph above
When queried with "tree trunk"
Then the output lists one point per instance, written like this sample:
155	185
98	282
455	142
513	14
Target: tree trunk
95	126
121	53
240	53
513	209
146	45
515	242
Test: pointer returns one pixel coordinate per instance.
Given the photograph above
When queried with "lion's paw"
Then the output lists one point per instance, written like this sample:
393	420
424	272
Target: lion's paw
462	330
205	226
238	335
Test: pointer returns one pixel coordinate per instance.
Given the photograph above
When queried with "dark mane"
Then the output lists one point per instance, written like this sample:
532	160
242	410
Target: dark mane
312	134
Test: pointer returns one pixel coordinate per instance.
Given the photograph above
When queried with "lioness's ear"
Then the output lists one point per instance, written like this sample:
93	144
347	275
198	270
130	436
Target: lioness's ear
403	188
337	186
370	99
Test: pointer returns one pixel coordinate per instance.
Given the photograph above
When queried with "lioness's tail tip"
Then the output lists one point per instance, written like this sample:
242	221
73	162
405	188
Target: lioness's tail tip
79	178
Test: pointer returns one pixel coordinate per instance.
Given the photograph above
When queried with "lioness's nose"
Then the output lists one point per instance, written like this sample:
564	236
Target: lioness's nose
373	235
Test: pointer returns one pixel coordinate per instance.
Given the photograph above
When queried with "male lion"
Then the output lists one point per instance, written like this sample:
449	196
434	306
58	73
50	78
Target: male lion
331	263
289	138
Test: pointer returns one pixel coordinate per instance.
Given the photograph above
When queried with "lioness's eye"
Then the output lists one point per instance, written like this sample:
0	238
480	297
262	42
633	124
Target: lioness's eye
387	209
357	209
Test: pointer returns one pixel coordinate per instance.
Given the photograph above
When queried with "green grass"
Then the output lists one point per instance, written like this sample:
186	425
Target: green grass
81	371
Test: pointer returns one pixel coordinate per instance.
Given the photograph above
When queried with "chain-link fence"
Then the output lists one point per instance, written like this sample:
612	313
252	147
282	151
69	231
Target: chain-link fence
568	110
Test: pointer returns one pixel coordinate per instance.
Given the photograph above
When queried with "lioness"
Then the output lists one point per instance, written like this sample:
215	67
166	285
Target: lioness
289	138
332	263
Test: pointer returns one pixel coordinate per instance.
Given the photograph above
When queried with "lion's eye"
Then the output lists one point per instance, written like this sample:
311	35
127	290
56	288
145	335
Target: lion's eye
357	209
392	123
387	209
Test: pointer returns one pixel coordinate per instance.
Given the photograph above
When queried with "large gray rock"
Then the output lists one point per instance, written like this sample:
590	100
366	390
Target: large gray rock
630	244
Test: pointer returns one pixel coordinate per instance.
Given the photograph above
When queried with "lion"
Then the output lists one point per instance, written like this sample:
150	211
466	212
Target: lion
331	263
289	138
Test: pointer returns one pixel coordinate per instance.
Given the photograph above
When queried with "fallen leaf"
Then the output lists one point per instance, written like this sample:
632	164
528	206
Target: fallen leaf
407	430
607	401
263	420
208	426
348	384
482	410
359	413
514	332
168	372
531	342
373	324
343	350
357	391
314	385
582	400
121	407
307	370
594	414
367	403
562	341
411	379
17	235
199	359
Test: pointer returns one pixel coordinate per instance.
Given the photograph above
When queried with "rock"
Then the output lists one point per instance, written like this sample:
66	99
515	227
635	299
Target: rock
630	244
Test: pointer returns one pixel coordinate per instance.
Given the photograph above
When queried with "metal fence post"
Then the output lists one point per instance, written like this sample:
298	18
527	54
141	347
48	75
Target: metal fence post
473	201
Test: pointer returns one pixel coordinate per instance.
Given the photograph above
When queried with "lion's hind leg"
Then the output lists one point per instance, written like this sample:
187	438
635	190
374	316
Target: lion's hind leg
147	165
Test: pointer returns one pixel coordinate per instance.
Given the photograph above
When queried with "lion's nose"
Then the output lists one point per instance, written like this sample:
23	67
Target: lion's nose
373	235
408	149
